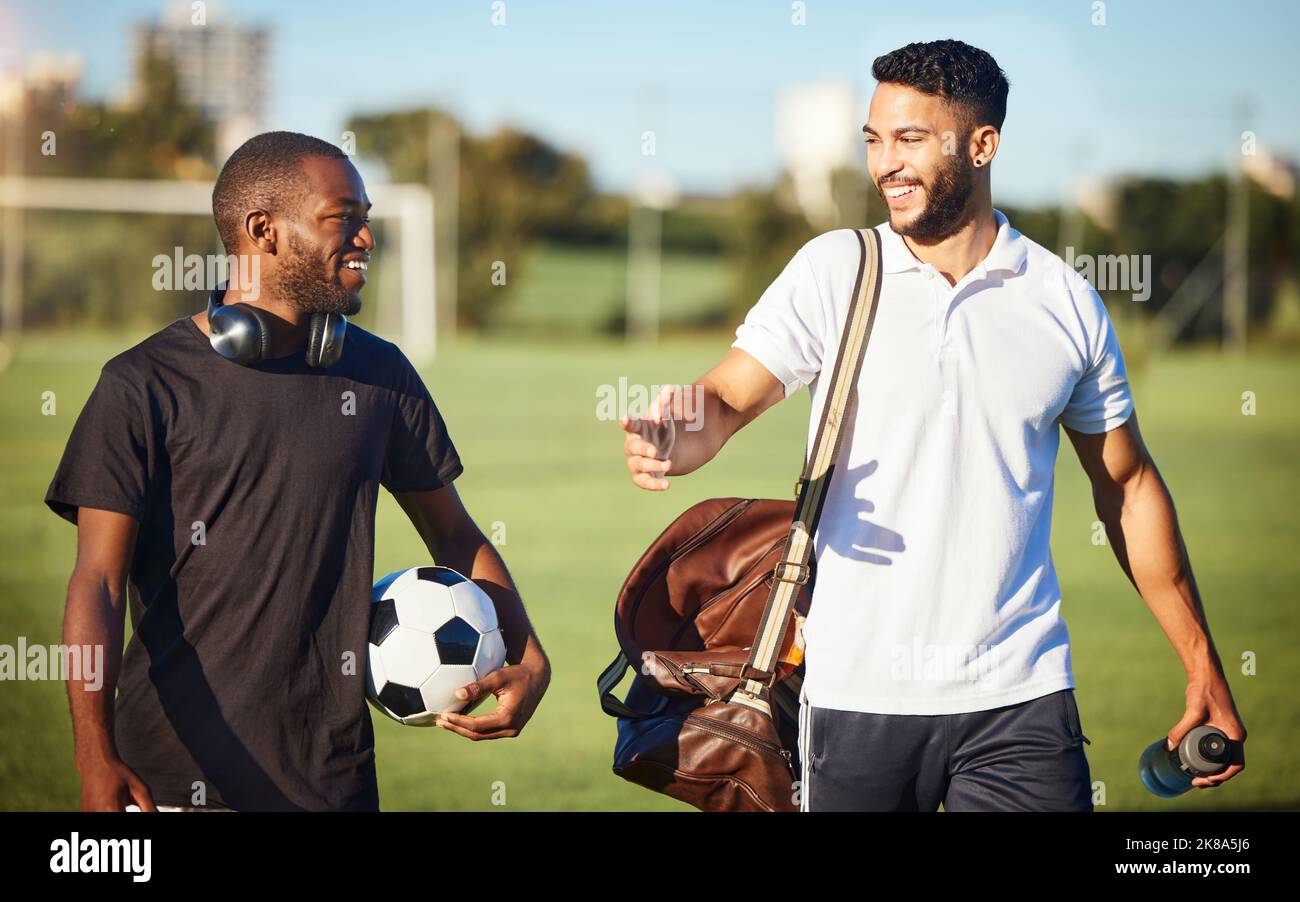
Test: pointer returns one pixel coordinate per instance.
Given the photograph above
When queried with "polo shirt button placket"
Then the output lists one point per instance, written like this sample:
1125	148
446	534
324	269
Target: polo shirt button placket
943	295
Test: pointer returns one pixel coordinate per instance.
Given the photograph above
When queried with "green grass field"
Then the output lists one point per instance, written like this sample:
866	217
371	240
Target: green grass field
567	288
540	463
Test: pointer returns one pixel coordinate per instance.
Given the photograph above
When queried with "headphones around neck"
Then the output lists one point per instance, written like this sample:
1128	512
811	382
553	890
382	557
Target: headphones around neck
240	332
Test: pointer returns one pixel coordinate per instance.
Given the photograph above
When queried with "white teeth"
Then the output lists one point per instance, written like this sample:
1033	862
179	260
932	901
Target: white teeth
901	191
356	264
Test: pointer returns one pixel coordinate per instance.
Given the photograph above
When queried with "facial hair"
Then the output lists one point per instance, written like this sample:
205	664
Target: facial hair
306	283
947	196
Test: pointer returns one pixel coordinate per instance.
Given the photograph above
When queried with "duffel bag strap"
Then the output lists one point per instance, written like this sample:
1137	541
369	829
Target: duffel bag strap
609	679
792	571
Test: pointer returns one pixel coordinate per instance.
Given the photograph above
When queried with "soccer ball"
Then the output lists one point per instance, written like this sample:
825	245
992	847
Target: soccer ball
431	632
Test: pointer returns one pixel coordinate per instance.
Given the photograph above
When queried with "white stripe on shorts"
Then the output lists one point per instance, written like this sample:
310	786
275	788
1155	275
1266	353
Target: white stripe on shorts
805	720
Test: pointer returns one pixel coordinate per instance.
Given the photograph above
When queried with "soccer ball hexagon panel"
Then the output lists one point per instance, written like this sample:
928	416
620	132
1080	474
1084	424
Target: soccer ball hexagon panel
431	632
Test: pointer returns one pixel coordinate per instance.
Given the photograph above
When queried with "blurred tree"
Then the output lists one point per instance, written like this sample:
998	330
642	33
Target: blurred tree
695	225
514	187
1179	223
853	193
156	137
766	230
159	137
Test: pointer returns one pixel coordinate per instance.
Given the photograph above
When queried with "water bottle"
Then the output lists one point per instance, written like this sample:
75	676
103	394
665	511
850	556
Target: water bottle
1202	753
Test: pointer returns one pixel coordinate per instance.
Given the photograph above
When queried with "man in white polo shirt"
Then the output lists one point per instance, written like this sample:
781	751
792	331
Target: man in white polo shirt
938	664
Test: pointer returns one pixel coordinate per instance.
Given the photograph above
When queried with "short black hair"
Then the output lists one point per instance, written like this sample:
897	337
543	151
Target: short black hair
264	173
954	70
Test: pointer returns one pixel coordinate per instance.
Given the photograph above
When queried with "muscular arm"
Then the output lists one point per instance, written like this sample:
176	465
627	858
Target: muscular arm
1134	504
455	541
94	616
731	395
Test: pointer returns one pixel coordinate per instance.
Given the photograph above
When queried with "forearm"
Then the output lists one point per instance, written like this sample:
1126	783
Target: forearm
1143	529
708	424
474	556
93	619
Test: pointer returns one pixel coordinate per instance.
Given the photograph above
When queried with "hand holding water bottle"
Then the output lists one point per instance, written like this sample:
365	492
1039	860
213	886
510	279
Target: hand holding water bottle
1204	749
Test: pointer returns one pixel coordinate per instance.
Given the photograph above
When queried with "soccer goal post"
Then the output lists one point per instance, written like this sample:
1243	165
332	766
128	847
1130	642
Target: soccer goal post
410	206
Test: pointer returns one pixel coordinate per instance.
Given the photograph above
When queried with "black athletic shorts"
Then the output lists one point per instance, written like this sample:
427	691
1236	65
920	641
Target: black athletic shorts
1024	757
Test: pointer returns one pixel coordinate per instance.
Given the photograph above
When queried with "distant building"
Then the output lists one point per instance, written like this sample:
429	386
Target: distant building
819	130
221	69
48	80
54	77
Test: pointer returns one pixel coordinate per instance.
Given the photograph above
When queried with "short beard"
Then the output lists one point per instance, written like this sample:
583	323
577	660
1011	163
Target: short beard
303	281
946	200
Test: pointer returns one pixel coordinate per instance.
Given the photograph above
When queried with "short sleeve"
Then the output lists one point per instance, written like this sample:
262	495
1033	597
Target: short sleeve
784	330
420	454
106	463
1101	399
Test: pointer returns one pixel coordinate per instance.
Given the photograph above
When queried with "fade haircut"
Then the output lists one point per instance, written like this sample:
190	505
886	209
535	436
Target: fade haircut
264	173
962	74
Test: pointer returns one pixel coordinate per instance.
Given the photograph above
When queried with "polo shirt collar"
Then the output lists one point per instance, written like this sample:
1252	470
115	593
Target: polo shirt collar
1008	253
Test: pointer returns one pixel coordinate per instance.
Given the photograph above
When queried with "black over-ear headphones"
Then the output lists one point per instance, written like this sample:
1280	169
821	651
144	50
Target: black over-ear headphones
240	332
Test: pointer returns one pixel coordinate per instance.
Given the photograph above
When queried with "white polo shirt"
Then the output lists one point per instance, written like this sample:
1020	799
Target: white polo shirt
935	590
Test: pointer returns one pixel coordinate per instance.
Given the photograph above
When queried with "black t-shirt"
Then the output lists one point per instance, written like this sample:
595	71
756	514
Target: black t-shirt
255	487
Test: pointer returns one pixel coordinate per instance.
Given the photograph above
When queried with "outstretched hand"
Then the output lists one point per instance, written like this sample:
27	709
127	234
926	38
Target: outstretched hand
649	441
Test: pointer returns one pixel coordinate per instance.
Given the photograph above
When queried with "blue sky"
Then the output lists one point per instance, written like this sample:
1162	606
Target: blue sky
1151	91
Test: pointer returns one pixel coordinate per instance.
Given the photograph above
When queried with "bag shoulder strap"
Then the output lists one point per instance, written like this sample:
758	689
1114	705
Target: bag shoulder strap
792	571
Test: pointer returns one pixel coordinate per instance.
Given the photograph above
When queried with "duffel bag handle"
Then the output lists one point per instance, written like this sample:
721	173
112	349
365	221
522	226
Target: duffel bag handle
792	570
609	679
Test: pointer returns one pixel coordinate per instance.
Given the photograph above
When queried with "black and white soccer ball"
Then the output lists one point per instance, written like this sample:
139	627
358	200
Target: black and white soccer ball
431	632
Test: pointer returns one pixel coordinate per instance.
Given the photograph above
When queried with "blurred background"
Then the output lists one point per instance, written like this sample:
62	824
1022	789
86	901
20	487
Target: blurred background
572	194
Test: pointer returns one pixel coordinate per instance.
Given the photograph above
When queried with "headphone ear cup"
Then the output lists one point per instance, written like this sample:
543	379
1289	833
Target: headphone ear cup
315	339
325	343
263	331
238	332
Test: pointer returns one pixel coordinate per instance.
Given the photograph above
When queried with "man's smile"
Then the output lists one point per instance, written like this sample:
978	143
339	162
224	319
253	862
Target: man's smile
900	194
356	267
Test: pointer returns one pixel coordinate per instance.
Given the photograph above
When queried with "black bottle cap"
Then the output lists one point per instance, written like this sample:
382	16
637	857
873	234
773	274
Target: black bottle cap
1213	747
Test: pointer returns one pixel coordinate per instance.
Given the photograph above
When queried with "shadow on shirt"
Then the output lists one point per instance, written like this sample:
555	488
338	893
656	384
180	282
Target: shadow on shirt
194	713
864	539
186	697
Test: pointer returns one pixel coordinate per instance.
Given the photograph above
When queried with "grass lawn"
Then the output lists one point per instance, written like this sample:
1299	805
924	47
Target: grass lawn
539	463
572	288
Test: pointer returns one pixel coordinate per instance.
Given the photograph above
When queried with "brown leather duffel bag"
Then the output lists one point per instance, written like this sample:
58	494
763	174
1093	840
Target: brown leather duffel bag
709	615
688	613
